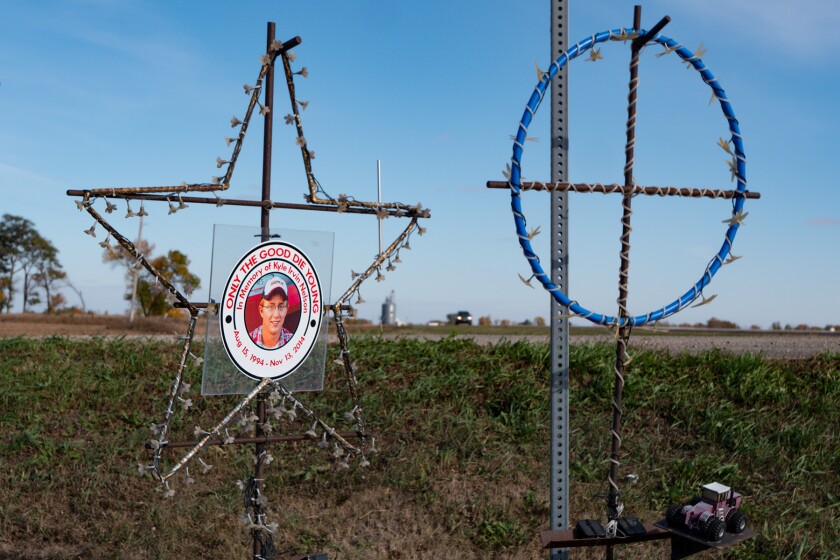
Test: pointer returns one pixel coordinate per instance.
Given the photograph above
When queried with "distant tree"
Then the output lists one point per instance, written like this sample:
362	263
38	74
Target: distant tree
16	235
5	278
485	321
78	293
29	292
505	322
47	271
776	326
24	252
56	303
151	295
4	291
116	255
174	266
539	321
715	323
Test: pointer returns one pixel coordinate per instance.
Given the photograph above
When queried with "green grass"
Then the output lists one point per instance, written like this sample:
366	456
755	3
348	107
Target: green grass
462	468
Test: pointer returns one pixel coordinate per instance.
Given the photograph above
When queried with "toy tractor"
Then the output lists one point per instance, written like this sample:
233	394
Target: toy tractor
710	514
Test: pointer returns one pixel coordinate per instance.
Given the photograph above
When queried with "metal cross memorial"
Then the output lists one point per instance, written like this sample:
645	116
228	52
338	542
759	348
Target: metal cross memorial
623	322
269	388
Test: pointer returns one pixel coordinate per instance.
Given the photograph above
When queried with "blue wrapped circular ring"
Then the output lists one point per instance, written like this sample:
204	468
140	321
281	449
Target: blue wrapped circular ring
515	181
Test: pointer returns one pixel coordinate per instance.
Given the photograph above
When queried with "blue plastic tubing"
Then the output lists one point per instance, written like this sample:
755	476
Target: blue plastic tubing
516	184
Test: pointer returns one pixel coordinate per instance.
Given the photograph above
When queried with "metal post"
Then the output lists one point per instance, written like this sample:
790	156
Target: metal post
136	276
379	200
559	466
268	100
268	85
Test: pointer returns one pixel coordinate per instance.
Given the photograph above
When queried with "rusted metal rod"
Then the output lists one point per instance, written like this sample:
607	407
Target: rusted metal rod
614	508
304	148
205	305
612	188
410	212
288	45
640	42
247	440
130	192
265	214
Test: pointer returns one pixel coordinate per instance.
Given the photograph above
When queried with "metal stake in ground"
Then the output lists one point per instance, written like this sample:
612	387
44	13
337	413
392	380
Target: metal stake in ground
558	464
259	548
614	508
316	199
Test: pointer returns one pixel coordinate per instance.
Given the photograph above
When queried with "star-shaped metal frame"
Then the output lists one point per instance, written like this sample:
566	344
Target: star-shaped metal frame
315	199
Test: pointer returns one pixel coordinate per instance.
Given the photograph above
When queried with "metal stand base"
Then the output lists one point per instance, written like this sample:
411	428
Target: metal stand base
684	544
569	539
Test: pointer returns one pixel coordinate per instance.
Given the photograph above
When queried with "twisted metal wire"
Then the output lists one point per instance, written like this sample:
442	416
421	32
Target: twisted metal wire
224	181
344	339
217	430
329	430
613	188
615	430
304	149
614	507
306	155
131	249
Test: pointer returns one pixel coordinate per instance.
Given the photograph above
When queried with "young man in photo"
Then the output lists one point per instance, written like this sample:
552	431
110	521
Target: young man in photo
274	305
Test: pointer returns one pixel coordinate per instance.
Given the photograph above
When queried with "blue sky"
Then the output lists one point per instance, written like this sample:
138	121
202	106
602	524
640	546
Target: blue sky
111	93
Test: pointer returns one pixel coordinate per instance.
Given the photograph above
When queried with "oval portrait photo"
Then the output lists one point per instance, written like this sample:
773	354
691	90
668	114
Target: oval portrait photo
272	311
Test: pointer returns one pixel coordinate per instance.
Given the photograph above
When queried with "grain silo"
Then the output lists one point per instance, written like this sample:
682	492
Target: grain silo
389	311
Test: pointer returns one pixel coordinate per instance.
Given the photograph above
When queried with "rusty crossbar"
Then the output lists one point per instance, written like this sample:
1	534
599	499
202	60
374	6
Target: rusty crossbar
409	212
636	189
